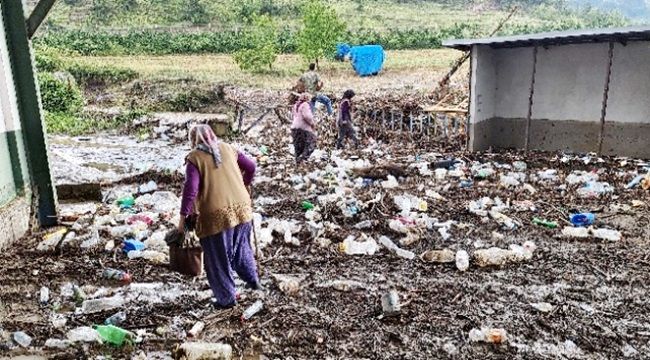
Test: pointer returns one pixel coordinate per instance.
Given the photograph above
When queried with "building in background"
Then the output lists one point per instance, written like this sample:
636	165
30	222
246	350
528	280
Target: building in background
26	191
582	91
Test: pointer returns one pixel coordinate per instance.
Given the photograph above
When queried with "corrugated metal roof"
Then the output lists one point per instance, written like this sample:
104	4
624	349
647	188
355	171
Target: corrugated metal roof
556	38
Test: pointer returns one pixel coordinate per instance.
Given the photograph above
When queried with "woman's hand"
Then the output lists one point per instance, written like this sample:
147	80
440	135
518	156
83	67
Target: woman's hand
181	224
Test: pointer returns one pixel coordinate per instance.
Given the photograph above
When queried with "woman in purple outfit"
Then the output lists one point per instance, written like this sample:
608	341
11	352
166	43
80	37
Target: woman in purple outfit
217	176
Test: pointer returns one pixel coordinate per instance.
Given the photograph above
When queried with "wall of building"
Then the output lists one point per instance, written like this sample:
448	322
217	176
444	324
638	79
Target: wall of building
568	98
14	174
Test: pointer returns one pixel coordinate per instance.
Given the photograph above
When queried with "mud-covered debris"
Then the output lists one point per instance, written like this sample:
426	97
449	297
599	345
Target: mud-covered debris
542	307
498	257
289	285
438	256
202	350
342	285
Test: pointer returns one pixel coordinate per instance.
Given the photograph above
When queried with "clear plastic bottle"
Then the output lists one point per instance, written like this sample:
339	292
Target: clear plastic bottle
252	310
44	295
116	319
102	304
22	339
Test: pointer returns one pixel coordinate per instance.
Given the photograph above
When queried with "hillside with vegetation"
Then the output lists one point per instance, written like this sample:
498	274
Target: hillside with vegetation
130	27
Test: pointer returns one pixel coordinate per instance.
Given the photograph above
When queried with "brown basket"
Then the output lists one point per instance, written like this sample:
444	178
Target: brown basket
186	261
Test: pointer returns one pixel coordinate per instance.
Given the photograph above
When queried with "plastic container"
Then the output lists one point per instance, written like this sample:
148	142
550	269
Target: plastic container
116	275
131	245
252	310
583	219
22	339
306	205
116	319
114	335
545	223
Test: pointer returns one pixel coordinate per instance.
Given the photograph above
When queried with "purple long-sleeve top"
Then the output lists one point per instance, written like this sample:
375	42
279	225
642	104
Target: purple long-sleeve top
193	181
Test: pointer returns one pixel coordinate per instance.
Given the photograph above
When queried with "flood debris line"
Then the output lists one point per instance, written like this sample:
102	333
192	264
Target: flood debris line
363	252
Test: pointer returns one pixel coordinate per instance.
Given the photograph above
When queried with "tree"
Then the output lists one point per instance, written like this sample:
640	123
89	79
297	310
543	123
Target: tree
321	30
261	47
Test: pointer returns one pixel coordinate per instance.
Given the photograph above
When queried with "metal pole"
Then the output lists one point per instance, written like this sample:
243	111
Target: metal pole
38	15
603	114
530	99
30	110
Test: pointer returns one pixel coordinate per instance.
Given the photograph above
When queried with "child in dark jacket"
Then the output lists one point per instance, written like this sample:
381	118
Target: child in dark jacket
346	130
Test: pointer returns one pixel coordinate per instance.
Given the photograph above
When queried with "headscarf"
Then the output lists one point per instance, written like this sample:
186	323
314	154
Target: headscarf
203	138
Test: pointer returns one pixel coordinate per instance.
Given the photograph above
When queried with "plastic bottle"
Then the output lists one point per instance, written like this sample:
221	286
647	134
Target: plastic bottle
634	182
126	202
306	205
390	303
44	295
102	304
114	335
116	275
22	339
116	319
462	260
196	329
438	256
252	310
583	219
545	223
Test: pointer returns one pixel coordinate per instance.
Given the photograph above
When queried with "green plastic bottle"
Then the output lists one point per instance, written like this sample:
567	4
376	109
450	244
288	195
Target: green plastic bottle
114	335
306	205
545	223
126	202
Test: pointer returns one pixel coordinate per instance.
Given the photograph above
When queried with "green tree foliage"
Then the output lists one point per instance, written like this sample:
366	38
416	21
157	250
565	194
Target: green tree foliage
321	30
261	38
59	95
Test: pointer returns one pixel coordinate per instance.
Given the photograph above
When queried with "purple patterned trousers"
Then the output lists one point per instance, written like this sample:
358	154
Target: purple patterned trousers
224	252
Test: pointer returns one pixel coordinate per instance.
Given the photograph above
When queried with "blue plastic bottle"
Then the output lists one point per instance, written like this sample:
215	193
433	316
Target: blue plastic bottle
582	220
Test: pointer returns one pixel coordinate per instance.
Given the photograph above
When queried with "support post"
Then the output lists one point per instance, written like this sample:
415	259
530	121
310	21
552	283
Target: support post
29	110
38	15
603	112
531	95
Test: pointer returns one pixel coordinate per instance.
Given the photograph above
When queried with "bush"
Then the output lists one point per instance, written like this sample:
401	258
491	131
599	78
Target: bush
48	59
78	124
59	96
261	38
90	75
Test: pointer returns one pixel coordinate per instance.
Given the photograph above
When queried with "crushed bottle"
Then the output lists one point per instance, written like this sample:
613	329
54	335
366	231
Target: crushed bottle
115	335
22	339
116	319
438	256
102	304
44	295
252	310
582	219
488	335
352	247
391	246
116	275
390	303
462	260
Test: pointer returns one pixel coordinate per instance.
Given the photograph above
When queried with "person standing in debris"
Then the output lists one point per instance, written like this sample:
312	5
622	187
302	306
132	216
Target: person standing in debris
303	129
346	130
312	84
217	176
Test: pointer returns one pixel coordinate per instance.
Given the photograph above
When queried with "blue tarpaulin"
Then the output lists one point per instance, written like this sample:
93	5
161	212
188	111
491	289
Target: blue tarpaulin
366	59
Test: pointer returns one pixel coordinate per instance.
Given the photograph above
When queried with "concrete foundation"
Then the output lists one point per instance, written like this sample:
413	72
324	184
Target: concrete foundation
14	220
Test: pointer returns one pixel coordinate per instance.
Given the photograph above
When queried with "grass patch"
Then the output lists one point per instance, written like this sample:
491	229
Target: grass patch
76	125
415	67
100	75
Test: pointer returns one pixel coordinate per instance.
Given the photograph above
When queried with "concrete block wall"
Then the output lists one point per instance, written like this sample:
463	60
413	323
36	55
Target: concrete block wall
568	98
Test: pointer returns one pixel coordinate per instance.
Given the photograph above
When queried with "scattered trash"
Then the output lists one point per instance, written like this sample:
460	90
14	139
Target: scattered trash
116	275
201	350
44	295
607	234
545	223
131	245
497	257
116	319
488	335
196	329
462	260
391	246
22	339
575	232
351	247
438	256
582	219
543	307
102	304
252	310
149	187
390	303
594	189
115	335
84	334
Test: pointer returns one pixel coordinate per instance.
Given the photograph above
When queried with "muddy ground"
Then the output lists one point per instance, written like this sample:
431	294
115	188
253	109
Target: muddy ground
596	287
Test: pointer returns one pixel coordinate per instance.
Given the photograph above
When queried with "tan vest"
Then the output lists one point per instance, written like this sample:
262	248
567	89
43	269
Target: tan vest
223	201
